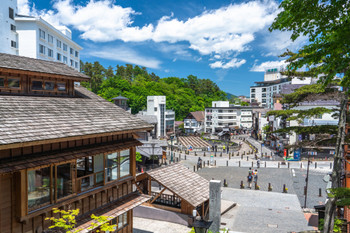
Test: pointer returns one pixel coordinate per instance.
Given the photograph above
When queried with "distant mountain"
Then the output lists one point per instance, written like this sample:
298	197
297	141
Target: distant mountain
229	95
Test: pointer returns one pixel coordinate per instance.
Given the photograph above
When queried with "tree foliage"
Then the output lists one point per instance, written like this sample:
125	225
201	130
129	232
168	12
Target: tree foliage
183	95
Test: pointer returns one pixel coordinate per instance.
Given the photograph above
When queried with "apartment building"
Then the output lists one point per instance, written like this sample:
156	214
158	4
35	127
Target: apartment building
156	106
35	38
222	114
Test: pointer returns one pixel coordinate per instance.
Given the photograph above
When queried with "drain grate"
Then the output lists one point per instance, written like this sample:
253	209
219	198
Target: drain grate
272	225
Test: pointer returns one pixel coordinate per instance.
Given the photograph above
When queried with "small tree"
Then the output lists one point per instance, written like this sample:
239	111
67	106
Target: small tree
66	223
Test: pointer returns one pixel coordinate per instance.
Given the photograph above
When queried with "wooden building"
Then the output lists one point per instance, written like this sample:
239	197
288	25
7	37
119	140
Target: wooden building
62	146
181	190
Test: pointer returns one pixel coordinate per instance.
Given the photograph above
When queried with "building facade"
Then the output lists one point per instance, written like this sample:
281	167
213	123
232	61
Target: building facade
62	147
222	114
194	122
34	37
156	106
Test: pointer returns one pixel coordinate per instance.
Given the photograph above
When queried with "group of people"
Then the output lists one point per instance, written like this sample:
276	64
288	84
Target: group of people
252	177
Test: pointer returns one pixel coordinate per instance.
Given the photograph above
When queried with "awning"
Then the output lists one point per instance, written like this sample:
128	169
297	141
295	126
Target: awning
113	210
47	158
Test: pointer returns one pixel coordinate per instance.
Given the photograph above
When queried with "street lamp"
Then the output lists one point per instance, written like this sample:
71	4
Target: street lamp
171	148
200	225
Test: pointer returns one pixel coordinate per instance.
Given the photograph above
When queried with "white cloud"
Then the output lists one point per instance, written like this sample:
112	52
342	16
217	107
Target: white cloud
234	63
124	54
268	65
229	28
23	7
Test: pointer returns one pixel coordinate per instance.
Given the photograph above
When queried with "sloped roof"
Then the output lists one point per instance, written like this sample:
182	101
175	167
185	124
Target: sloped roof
120	98
186	184
36	65
31	118
199	116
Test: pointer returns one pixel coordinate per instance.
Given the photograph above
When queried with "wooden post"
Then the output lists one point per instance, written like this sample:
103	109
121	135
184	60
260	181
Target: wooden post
208	162
215	153
194	168
242	185
252	164
204	154
185	157
226	163
239	163
215	162
315	164
284	188
279	164
288	164
221	154
301	165
269	188
265	163
229	155
319	192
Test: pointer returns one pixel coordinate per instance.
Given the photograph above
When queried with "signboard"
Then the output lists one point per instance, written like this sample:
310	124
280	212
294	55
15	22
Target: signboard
297	154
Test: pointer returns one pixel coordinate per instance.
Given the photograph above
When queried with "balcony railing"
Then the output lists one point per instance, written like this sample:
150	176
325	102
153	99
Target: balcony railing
166	199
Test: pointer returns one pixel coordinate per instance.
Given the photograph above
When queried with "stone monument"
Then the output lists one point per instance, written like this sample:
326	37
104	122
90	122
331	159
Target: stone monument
215	205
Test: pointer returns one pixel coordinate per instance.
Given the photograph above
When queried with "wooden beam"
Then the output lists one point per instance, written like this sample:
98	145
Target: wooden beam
160	193
137	186
206	211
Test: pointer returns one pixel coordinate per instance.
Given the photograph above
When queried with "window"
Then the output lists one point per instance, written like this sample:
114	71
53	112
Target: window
85	173
124	163
253	90
264	90
112	167
76	64
38	187
61	86
253	96
263	95
42	49
71	62
11	13
13	27
2	82
318	116
42	34
13	44
59	57
76	53
49	86
65	47
155	109
220	111
37	85
98	168
59	44
264	100
50	38
65	60
50	52
64	180
13	83
120	222
71	51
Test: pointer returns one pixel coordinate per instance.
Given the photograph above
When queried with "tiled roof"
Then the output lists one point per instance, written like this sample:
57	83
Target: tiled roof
31	118
199	116
36	65
113	210
184	183
43	159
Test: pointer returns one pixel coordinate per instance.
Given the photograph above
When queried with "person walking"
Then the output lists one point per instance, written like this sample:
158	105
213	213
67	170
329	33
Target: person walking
255	177
250	178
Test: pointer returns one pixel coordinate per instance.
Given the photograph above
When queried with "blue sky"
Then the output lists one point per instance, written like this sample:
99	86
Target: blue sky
225	41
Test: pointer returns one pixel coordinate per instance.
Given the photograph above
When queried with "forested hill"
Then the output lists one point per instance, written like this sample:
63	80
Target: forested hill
183	95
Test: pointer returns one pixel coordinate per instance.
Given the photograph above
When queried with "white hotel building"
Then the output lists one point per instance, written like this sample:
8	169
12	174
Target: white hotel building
222	115
34	37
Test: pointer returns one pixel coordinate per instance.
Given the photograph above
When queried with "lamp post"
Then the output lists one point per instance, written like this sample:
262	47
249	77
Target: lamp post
153	155
171	148
200	225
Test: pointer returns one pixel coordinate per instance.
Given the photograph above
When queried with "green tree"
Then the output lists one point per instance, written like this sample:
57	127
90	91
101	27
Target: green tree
326	24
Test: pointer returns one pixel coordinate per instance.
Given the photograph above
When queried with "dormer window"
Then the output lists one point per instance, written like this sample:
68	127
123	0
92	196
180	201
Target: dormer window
37	85
49	85
10	82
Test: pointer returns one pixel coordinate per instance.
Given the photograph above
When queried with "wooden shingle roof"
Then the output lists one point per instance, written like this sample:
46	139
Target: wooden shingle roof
28	119
184	183
14	62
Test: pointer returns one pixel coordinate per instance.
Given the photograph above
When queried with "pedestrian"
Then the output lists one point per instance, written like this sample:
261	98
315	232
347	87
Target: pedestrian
250	178
256	176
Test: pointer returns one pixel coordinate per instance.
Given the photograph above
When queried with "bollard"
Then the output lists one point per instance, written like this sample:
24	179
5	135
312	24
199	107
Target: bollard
239	163
265	163
208	162
315	164
195	153
269	188
194	168
319	192
284	189
215	153
226	163
229	156
241	156
252	164
301	165
203	163
242	185
330	165
247	158
204	154
288	164
238	153
279	164
177	160
215	162
185	157
225	183
221	154
180	156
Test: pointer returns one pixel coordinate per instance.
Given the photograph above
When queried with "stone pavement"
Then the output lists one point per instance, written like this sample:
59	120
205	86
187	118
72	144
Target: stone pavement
143	225
263	212
294	180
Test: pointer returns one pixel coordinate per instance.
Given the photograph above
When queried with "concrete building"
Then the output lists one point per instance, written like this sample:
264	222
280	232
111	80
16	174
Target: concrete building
34	37
194	122
222	114
263	92
156	106
8	35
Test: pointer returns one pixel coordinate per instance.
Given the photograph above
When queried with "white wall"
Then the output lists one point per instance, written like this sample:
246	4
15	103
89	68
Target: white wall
220	104
6	35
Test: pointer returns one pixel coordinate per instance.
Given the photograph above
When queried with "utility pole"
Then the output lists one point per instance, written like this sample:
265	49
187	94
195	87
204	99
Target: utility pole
307	178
